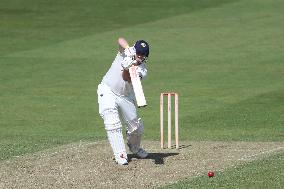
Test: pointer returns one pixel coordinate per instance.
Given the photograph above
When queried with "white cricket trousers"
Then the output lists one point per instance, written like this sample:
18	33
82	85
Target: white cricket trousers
111	108
110	101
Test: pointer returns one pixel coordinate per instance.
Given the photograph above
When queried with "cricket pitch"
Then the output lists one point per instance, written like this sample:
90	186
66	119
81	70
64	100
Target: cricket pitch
91	164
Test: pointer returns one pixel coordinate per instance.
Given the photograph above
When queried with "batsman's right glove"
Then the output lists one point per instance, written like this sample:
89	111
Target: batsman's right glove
127	62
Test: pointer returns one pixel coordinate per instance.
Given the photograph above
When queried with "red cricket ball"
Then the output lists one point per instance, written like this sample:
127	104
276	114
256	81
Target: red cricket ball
210	174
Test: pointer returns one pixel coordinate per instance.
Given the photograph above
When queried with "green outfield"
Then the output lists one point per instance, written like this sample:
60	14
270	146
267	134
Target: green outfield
224	57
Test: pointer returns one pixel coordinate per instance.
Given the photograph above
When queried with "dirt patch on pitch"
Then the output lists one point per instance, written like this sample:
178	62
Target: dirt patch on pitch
91	165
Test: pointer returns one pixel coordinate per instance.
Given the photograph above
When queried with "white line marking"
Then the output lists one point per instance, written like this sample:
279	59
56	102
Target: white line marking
261	153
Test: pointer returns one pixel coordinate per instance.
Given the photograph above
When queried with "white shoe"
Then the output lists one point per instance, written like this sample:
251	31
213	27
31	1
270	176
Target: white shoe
121	159
142	153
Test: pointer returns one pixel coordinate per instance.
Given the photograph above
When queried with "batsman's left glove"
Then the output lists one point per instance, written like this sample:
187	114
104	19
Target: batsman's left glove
130	52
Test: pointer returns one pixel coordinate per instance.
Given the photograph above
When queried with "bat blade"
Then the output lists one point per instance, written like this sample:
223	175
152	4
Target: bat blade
137	87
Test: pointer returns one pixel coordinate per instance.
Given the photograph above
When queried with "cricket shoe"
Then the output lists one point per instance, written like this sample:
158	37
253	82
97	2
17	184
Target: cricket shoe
121	159
140	152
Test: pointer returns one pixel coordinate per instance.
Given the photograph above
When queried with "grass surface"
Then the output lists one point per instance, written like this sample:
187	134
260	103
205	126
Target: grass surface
224	58
264	173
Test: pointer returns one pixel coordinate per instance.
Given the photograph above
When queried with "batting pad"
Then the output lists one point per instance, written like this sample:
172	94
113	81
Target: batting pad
116	141
134	137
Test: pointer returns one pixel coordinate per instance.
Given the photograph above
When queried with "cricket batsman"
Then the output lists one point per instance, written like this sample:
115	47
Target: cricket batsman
117	100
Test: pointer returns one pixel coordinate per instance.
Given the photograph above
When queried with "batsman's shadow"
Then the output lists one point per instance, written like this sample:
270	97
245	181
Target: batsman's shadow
158	158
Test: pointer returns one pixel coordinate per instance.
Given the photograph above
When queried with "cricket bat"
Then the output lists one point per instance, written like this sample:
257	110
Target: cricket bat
137	87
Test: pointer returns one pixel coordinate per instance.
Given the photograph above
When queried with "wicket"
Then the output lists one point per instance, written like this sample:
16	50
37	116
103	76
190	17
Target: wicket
169	94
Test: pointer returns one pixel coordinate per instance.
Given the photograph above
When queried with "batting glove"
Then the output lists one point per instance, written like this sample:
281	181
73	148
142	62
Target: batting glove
127	62
130	52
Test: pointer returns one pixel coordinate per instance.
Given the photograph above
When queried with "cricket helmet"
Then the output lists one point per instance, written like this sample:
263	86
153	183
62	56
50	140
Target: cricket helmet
142	48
